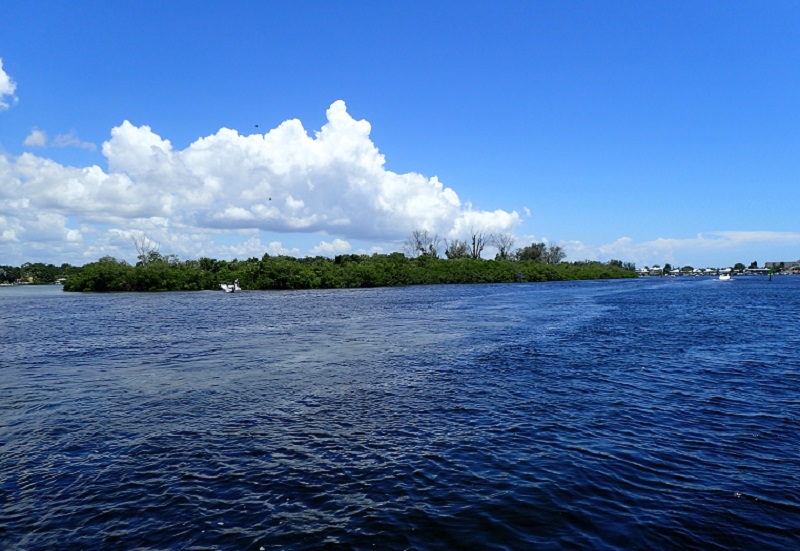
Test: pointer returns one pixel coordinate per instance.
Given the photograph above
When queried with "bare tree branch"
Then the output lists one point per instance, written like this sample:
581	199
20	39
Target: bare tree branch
422	243
479	241
504	242
146	248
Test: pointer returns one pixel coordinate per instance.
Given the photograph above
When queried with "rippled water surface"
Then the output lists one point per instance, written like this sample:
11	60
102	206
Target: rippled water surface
647	414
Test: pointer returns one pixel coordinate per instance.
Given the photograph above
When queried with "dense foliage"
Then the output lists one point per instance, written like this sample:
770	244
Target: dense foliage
284	272
34	273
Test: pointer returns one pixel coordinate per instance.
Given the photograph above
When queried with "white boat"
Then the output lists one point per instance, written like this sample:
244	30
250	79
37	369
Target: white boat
231	287
724	277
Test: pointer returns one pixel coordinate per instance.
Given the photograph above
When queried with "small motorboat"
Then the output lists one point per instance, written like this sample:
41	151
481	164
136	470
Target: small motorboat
724	277
231	287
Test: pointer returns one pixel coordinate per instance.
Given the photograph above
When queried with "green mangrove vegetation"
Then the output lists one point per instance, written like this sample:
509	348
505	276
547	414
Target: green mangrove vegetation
420	265
344	271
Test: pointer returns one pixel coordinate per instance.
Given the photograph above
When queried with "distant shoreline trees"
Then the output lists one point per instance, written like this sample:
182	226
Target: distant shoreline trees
344	271
36	273
421	264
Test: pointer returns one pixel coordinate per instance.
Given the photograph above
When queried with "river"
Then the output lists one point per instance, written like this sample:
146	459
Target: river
659	413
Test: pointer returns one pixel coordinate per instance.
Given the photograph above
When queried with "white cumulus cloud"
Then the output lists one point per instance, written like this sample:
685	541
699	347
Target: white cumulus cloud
286	180
37	138
276	248
333	182
337	246
7	89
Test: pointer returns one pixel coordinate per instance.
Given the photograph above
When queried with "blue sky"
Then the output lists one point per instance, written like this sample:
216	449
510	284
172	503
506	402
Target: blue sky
643	131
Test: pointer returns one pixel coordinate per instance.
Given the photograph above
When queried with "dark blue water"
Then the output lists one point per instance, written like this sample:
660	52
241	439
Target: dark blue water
648	414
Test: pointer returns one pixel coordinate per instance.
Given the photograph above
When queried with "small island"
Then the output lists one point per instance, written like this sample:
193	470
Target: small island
421	265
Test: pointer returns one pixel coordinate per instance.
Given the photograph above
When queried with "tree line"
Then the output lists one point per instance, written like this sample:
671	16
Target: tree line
36	273
668	268
419	266
343	271
422	243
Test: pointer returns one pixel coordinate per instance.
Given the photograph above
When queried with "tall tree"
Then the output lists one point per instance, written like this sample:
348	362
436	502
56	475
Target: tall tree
146	248
422	243
479	241
504	242
555	254
457	249
534	251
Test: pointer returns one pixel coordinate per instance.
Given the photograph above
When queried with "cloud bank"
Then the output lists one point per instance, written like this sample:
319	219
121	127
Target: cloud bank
711	246
287	181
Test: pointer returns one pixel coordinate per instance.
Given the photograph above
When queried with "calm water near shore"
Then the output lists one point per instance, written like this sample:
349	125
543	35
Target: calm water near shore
638	414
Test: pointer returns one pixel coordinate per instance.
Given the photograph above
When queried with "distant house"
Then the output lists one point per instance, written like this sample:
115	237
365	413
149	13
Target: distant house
782	265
